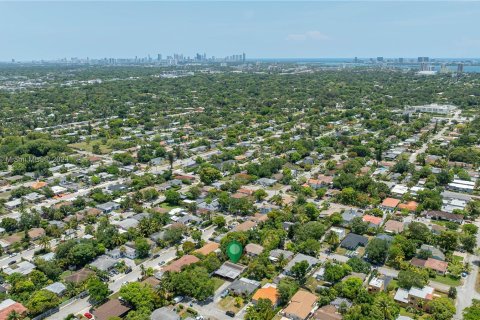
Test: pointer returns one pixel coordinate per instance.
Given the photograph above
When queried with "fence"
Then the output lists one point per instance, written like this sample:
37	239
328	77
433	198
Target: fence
60	306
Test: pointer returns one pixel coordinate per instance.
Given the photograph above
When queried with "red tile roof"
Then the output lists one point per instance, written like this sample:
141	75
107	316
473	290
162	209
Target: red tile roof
390	202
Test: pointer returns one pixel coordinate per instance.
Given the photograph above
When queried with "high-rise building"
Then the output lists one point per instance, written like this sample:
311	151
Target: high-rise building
159	57
460	68
379	59
400	60
423	59
355	60
243	57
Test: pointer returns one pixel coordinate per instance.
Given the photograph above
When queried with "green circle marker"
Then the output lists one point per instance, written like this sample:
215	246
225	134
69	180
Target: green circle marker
234	251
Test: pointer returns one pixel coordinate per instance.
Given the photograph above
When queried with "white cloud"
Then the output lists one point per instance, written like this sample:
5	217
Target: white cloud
309	35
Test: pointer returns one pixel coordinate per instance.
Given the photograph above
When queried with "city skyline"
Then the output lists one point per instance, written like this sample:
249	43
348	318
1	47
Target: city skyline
54	30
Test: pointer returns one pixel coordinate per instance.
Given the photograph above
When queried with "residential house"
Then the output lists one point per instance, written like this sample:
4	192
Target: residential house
7	306
270	292
377	284
442	215
436	253
393	226
410	206
352	241
373	222
349	215
415	297
321	182
461	186
104	263
301	306
230	270
108	207
243	287
57	287
312	261
253	249
327	312
208	248
23	267
177	265
164	313
341	232
276	254
265	182
389	204
110	309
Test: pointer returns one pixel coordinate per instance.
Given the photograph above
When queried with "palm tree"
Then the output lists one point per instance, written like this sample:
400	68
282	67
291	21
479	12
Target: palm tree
14	315
171	158
44	242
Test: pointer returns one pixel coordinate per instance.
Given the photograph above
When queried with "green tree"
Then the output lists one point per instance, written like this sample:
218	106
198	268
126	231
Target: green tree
263	310
41	301
260	194
209	174
142	247
377	250
442	308
413	277
140	296
172	197
299	271
472	312
286	290
97	289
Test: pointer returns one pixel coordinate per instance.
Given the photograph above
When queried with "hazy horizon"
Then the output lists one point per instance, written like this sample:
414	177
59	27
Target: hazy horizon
263	30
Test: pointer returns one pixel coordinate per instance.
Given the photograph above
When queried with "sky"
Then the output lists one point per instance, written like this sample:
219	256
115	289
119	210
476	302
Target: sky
268	29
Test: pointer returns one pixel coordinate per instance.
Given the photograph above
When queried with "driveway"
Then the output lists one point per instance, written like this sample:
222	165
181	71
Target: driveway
467	292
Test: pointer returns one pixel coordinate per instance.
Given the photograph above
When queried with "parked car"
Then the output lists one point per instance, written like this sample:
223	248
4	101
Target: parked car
88	315
12	262
230	313
161	263
224	293
178	299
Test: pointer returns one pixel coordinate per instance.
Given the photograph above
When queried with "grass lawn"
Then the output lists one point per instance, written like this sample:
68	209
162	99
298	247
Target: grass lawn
404	312
115	295
5	195
228	303
447	280
65	274
88	147
361	251
167	206
139	261
457	258
312	284
186	312
341	251
477	284
217	282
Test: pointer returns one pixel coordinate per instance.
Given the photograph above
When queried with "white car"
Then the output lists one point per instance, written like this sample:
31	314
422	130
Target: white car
178	299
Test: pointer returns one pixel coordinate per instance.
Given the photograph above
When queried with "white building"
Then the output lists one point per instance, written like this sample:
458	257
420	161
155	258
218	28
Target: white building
432	108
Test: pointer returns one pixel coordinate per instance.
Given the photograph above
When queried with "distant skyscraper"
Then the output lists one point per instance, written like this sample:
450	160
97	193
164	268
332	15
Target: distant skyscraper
423	59
400	60
460	68
355	60
159	57
243	57
379	59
